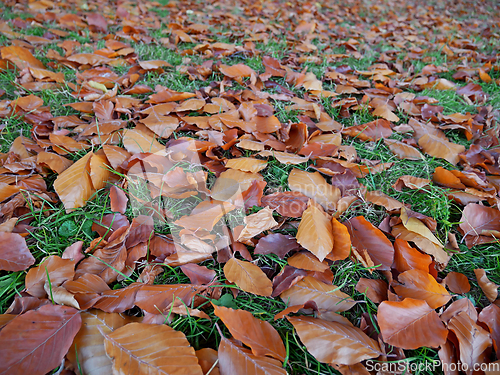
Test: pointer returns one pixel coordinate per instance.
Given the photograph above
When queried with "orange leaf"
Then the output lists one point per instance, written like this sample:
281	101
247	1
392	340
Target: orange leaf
364	236
87	349
473	340
259	335
21	57
234	359
410	324
489	288
14	254
248	277
315	232
314	186
74	185
419	284
441	148
155	349
39	349
457	282
333	342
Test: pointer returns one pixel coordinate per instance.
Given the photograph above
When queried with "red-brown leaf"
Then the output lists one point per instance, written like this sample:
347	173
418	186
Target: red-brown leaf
36	342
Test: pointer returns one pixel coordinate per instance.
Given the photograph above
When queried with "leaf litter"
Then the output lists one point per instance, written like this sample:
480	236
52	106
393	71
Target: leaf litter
163	125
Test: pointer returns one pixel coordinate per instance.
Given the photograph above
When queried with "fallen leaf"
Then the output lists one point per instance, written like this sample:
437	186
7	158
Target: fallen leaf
154	349
234	359
327	297
441	148
256	224
419	284
457	282
259	335
248	277
87	349
333	342
376	290
276	243
314	186
287	203
364	236
39	349
14	254
315	232
410	324
74	185
473	340
489	288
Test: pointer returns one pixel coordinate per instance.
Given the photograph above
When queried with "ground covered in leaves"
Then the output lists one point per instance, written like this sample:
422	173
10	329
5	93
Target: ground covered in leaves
199	187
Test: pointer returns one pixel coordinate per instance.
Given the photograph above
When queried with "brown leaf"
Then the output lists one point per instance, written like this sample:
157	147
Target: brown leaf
446	178
21	57
53	161
327	297
307	261
198	274
232	183
376	290
156	298
59	270
288	203
333	342
259	335
479	224
380	199
108	261
137	140
364	236
410	182
39	349
371	131
276	243
402	150
87	349
74	185
234	359
118	199
341	241
491	317
489	288
473	340
288	277
256	224
419	284
314	186
407	258
14	254
410	324
248	277
441	148
208	360
246	164
441	257
315	232
154	349
457	282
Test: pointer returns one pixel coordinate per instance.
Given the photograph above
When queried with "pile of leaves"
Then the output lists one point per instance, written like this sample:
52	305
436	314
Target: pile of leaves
194	199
